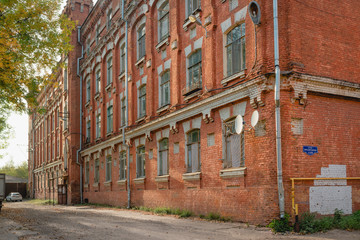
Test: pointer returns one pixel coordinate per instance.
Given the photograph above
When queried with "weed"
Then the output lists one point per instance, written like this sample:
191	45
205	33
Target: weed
185	214
281	225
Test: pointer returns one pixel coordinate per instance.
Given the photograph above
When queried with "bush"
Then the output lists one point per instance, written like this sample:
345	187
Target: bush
281	225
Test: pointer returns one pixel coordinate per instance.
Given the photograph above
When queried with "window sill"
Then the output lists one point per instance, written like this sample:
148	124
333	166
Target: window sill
96	184
191	176
97	96
163	108
140	61
109	134
139	180
122	76
162	43
107	183
233	172
86	185
108	87
163	178
140	119
232	77
121	182
87	104
98	139
192	95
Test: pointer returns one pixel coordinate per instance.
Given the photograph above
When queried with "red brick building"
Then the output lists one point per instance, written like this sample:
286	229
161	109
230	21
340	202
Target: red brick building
160	95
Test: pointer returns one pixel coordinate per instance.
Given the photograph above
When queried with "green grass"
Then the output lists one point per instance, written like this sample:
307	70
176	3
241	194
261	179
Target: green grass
166	211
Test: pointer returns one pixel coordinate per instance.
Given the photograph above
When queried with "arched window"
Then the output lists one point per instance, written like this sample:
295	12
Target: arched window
142	101
193	151
194	71
141	41
163	21
165	89
109	71
109	119
235	50
163	159
234	146
122	58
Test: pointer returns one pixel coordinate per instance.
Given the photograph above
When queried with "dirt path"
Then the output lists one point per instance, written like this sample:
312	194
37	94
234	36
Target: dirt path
29	221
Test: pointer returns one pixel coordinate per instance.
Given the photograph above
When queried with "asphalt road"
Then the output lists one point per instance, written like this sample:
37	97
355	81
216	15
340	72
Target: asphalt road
26	221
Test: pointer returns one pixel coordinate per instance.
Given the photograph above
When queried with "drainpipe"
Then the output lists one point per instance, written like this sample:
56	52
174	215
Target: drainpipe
277	112
126	106
33	154
79	150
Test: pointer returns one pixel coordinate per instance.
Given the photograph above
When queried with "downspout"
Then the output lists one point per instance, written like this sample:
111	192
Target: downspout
33	154
79	150
126	106
277	112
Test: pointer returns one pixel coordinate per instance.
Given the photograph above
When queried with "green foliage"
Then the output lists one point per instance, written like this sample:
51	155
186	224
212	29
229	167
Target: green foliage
41	202
215	216
33	37
310	224
20	171
281	225
185	214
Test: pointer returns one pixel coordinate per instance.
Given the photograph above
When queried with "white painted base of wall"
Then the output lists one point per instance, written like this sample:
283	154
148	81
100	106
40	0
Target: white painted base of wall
325	199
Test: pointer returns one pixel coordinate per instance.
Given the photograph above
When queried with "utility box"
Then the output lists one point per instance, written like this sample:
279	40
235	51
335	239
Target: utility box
2	189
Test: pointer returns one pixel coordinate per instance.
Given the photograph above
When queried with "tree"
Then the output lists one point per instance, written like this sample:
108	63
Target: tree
33	37
20	171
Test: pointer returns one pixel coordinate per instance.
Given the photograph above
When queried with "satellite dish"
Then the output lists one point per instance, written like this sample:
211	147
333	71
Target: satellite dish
254	118
254	12
239	125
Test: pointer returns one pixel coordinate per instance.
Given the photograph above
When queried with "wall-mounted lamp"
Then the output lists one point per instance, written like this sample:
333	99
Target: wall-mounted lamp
196	20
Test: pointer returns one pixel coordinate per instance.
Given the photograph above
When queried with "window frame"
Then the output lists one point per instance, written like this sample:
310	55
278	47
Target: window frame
109	19
98	125
230	46
192	67
190	6
108	162
98	80
140	162
123	111
88	89
161	161
141	41
162	18
109	70
88	130
96	170
228	131
189	143
87	172
122	166
109	119
142	101
164	86
122	58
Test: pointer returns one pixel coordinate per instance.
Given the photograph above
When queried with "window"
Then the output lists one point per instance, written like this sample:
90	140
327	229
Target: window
110	119
193	151
235	50
194	70
53	122
98	80
123	112
87	172
66	116
234	146
97	34
57	118
141	41
96	171
88	46
98	126
108	169
122	59
163	160
88	129
109	71
65	77
140	162
58	146
109	17
193	5
165	89
142	101
164	21
88	90
122	166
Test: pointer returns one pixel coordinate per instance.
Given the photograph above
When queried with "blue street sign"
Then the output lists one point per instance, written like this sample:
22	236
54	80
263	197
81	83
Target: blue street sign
310	150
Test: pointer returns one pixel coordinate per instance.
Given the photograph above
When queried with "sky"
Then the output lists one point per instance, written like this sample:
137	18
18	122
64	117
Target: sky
18	144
